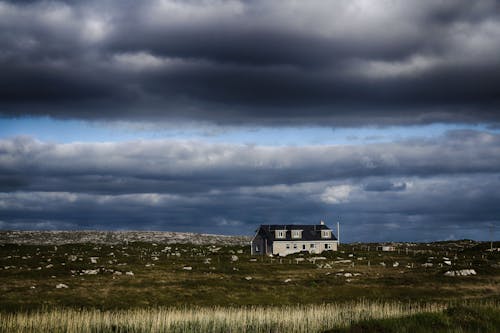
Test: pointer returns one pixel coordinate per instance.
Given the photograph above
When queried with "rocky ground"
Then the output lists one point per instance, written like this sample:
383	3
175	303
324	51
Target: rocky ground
116	237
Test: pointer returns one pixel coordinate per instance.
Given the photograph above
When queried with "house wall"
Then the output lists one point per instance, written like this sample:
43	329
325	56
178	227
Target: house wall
258	245
280	247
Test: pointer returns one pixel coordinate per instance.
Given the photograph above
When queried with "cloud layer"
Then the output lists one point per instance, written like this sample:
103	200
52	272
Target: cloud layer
401	190
252	62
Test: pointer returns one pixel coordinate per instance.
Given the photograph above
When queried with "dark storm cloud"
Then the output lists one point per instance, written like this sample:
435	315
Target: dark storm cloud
165	166
449	183
342	62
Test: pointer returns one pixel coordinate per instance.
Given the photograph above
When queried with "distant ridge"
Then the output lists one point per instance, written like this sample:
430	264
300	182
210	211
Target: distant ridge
116	237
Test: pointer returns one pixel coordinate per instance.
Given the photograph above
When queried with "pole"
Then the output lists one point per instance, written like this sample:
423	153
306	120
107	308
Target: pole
338	233
491	237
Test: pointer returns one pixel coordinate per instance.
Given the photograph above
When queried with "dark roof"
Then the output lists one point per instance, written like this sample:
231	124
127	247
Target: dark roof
309	231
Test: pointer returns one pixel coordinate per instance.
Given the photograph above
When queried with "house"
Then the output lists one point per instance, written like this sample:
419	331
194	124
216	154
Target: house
284	239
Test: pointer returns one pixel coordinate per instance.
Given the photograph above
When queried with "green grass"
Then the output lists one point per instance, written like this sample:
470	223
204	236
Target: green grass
458	319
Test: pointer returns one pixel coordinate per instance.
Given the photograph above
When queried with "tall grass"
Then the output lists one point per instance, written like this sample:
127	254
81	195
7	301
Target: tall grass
256	319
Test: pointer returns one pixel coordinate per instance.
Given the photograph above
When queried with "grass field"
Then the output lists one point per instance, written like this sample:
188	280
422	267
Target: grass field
104	286
309	318
457	319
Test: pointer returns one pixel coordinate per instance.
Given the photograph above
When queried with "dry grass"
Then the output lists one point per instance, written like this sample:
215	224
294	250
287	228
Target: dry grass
307	318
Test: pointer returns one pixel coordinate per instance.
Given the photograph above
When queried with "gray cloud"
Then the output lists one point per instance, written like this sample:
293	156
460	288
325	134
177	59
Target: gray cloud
260	62
402	189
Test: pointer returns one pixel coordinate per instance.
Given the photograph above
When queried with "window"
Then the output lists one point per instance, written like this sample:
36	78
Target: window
326	233
327	246
256	248
280	234
295	246
311	246
297	234
288	246
303	246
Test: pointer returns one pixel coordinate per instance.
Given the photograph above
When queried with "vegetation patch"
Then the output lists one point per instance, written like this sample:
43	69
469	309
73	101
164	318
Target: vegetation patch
463	319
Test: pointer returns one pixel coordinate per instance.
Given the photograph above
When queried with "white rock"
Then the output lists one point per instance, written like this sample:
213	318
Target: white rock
117	273
129	273
61	286
395	264
234	258
187	268
343	261
93	260
90	271
288	280
348	274
248	278
447	262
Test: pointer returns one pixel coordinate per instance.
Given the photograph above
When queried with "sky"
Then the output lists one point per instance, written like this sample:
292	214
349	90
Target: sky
216	116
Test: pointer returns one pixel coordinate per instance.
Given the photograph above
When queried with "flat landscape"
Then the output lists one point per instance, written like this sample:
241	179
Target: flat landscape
165	276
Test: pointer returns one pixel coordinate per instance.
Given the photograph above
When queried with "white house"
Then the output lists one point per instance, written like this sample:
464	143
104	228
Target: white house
284	239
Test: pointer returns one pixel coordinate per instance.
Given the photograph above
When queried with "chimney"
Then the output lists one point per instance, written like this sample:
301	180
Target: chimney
322	222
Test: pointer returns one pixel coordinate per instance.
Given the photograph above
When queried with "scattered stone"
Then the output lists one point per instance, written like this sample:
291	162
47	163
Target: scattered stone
234	258
395	264
447	262
61	286
93	260
348	274
253	260
462	272
90	271
129	273
343	261
187	268
248	278
288	280
117	273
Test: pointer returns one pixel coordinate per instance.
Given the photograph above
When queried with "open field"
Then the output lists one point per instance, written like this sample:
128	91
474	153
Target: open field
164	281
207	275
